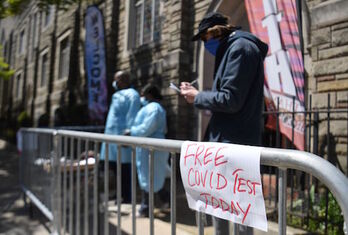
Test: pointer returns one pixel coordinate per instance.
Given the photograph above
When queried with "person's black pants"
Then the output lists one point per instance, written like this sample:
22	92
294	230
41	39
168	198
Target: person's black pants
144	207
221	227
126	179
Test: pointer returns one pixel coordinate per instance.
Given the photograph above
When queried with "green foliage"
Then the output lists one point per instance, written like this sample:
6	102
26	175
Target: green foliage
15	7
316	221
24	120
11	7
5	72
60	4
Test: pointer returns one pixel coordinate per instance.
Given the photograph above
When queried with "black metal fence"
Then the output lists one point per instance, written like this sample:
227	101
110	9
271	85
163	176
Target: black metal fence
310	205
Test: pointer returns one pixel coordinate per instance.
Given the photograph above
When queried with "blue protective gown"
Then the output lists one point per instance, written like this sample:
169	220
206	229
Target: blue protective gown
124	107
151	122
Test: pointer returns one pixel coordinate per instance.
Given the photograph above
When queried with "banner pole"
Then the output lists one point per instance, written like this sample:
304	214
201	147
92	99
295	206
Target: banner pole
299	25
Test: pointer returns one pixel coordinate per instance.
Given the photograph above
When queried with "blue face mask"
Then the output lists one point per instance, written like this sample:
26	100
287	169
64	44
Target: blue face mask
114	85
143	101
212	45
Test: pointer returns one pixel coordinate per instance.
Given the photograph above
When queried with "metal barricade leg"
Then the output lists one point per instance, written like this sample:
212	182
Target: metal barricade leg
78	185
59	186
65	183
95	189
200	223
173	194
106	190
151	191
282	202
134	175
71	186
119	189
235	229
85	232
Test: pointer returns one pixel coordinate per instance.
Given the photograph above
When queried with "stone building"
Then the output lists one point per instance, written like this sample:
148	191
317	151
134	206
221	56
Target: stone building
40	48
325	27
46	51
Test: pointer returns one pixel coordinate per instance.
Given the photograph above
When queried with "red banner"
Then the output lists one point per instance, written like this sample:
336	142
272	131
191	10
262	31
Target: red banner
275	22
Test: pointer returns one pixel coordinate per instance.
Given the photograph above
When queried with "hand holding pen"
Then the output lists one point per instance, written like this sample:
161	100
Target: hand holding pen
188	91
172	85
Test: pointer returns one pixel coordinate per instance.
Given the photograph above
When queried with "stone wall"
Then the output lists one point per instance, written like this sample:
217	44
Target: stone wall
327	69
35	99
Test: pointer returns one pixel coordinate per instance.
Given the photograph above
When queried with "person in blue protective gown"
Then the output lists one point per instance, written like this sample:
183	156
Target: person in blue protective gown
124	106
151	122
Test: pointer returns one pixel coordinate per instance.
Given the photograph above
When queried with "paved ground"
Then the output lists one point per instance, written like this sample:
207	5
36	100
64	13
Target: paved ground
14	217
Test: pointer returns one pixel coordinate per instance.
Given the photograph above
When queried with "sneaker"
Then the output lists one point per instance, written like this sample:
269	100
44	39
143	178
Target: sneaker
142	214
165	206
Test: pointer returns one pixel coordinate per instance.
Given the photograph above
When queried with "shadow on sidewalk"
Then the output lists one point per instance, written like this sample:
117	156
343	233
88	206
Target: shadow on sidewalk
14	215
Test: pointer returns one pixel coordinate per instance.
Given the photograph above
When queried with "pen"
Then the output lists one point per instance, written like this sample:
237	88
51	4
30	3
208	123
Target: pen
193	82
174	87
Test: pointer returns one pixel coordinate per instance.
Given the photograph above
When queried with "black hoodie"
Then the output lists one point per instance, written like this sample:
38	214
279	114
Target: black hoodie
237	93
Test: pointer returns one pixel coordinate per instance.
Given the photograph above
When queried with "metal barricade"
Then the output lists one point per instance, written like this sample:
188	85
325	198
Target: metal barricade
70	146
36	174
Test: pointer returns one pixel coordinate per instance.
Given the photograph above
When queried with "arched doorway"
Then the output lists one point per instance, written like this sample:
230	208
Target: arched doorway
236	11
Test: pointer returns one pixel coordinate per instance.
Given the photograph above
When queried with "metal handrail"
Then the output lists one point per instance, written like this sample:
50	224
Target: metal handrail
336	181
310	163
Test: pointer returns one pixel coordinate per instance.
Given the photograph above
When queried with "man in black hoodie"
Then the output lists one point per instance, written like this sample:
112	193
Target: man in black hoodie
236	97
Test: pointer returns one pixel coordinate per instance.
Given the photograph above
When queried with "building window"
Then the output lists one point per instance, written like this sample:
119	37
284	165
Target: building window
44	69
2	36
147	23
5	51
18	85
64	52
21	42
34	36
47	16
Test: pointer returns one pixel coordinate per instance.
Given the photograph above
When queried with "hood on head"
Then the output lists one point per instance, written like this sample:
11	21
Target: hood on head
263	47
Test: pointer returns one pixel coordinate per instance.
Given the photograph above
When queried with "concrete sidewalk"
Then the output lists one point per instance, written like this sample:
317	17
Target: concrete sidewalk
162	225
14	217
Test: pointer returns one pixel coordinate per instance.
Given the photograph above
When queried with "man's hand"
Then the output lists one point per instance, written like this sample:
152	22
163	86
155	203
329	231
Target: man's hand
126	132
188	91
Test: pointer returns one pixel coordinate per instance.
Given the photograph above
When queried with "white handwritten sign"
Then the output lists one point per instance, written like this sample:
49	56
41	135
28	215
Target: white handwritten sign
224	180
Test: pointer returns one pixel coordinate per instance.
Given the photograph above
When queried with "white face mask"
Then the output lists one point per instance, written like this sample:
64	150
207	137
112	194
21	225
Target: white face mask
143	101
114	85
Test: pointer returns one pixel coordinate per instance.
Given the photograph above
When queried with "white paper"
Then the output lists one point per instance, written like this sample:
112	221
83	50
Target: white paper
172	86
224	180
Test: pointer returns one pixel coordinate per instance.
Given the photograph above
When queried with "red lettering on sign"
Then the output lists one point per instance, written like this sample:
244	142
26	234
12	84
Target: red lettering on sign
189	155
240	180
235	180
203	179
244	212
211	177
206	198
255	183
212	202
227	208
216	203
199	151
188	178
197	179
206	155
234	209
219	157
218	187
249	186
